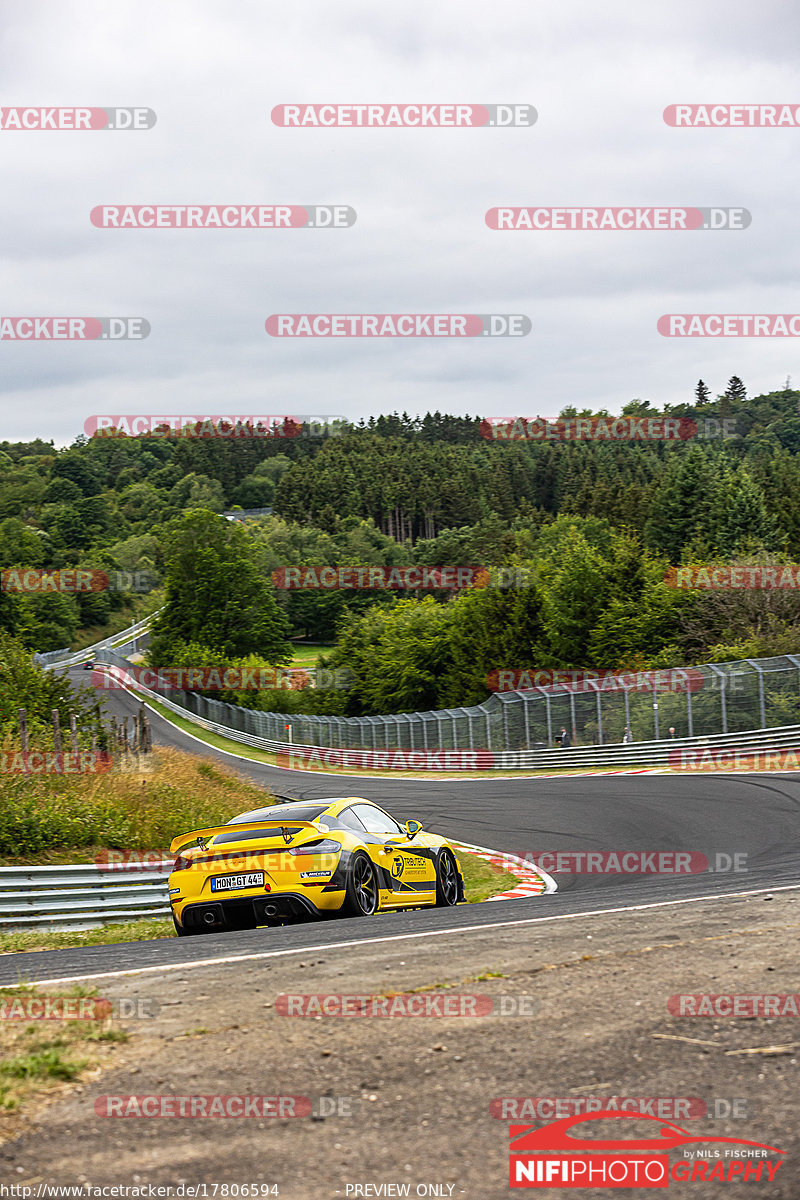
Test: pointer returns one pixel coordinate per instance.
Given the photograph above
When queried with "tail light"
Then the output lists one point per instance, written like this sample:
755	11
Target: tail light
181	863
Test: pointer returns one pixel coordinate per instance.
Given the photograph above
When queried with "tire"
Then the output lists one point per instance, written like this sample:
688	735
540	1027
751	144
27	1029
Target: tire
361	893
184	930
447	885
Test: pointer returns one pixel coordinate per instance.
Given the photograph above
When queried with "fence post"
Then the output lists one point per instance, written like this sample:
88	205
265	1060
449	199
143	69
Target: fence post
526	719
548	717
599	713
761	703
656	729
73	731
723	706
56	731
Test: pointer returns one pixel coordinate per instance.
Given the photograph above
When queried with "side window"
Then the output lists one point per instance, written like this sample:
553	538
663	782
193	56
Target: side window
347	819
376	821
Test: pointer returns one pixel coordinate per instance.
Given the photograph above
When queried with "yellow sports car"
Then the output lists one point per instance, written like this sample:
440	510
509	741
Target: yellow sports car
307	859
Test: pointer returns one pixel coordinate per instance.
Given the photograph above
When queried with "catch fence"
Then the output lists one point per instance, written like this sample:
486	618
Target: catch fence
706	701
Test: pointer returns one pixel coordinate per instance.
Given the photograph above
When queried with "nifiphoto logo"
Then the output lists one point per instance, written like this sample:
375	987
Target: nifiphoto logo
576	1152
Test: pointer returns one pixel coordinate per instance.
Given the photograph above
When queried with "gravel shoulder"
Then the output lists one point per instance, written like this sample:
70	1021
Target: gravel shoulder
407	1099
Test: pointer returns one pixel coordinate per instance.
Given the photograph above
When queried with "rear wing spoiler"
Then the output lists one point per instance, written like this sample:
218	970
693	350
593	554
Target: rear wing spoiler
186	839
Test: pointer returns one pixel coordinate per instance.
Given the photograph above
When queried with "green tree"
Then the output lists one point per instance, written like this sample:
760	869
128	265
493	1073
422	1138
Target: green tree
217	594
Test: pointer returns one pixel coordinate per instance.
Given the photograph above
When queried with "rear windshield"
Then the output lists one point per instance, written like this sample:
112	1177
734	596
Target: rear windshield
278	812
245	835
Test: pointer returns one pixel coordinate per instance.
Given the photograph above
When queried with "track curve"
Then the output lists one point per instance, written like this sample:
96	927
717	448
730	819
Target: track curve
754	816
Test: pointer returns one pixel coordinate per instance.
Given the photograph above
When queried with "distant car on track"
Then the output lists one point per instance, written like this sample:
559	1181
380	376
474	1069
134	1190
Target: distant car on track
306	860
88	665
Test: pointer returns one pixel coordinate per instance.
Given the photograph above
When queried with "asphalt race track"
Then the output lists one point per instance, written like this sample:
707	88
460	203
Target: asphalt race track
753	816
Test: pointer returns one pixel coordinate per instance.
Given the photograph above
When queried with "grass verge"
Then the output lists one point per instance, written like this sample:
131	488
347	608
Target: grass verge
38	1061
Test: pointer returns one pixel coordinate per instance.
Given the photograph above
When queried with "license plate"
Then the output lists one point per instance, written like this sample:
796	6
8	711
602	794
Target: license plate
227	883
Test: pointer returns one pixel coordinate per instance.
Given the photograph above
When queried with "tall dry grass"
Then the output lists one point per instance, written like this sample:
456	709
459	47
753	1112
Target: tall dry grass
123	809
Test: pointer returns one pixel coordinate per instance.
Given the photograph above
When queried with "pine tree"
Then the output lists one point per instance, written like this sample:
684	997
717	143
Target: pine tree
701	392
736	389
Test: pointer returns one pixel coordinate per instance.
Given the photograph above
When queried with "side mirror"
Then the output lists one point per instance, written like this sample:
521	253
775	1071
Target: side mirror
413	828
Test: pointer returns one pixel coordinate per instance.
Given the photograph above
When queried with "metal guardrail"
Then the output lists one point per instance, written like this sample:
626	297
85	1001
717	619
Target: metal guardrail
115	641
642	754
78	897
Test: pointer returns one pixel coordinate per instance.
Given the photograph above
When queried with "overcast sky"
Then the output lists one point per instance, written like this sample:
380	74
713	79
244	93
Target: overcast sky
599	76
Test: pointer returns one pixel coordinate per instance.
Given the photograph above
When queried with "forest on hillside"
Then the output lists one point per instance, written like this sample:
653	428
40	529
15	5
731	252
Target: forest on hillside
595	523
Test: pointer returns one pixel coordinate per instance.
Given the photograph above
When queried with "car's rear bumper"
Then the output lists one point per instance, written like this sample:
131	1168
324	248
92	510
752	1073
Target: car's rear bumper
246	912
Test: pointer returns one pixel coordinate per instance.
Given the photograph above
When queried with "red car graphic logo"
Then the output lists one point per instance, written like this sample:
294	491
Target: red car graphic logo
556	1136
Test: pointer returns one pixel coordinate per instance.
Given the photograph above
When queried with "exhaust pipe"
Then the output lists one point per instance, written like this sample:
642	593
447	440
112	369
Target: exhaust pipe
270	910
209	917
